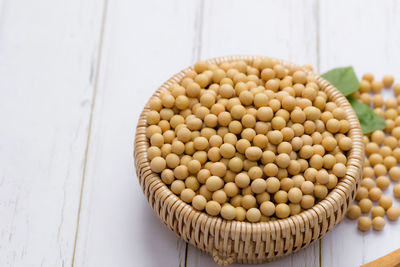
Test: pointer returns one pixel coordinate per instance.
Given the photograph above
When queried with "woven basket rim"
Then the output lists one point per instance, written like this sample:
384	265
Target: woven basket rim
344	187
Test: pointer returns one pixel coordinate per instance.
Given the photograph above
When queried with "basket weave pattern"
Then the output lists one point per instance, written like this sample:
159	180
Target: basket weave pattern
244	242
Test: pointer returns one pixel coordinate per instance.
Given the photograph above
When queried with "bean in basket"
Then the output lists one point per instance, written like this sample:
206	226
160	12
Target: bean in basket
248	127
245	148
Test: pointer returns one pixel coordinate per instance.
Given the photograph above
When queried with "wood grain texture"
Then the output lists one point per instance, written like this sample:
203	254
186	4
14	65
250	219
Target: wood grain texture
281	29
366	37
48	54
145	42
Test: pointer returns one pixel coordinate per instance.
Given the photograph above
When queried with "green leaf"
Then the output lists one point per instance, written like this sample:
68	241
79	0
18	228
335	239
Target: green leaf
343	79
369	120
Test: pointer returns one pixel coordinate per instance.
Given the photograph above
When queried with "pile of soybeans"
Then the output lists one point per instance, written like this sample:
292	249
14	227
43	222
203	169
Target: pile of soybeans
249	141
382	150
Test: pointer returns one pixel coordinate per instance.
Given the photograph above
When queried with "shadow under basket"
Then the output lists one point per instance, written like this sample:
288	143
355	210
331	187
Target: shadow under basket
244	242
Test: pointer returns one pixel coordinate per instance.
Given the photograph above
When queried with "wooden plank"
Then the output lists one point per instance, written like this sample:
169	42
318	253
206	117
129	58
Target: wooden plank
367	38
145	43
281	29
48	56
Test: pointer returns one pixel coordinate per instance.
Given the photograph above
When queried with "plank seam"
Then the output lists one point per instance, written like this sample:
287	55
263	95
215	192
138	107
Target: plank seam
317	30
198	27
186	254
95	86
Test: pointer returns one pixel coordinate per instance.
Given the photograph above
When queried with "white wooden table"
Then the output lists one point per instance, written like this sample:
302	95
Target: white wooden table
74	76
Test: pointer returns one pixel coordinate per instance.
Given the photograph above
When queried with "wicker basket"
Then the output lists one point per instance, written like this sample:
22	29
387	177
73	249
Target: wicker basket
244	242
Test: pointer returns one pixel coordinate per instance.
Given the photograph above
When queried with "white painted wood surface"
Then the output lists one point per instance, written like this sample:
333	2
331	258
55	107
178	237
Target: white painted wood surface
141	38
48	57
74	76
